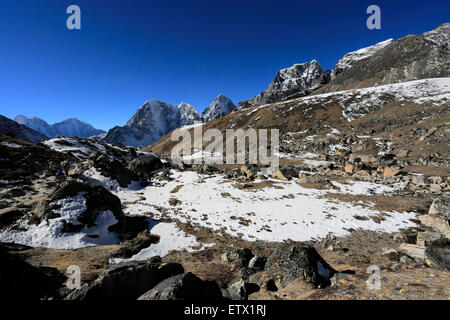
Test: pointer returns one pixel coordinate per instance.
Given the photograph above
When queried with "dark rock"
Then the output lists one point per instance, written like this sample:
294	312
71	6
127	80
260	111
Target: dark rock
240	257
437	254
126	281
258	262
186	286
145	165
131	247
21	281
291	261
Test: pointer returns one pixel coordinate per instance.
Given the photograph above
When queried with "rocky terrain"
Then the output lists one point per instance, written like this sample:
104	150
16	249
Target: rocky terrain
358	208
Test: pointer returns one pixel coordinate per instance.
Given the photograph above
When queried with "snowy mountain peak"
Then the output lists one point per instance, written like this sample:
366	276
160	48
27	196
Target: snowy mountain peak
219	107
289	83
68	128
188	114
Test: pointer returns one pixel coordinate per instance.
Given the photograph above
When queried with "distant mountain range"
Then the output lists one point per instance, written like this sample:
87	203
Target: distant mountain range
156	118
68	128
392	61
19	131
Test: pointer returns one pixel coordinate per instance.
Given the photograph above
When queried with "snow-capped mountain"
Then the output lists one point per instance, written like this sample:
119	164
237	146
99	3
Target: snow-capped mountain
152	121
409	58
188	114
68	128
350	58
293	82
19	131
219	107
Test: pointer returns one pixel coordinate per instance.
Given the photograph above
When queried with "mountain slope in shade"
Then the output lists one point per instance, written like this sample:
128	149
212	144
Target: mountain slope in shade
293	82
219	107
19	131
409	58
68	128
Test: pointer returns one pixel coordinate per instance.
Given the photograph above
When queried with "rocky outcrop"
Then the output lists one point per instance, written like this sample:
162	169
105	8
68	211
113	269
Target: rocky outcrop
293	82
185	286
126	281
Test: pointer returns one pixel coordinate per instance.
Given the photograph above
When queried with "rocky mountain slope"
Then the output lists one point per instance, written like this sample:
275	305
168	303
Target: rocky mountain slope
68	128
19	131
409	58
293	82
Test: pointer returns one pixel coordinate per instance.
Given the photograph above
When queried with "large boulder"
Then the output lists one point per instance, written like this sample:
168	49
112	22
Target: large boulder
145	165
126	281
239	257
116	170
98	200
437	254
438	217
21	281
186	286
289	262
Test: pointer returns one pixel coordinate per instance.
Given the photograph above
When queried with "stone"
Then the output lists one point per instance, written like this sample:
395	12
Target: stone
437	255
419	180
185	286
435	188
392	254
349	168
435	222
20	280
258	262
249	170
391	171
239	257
290	262
426	238
126	281
440	207
145	165
412	250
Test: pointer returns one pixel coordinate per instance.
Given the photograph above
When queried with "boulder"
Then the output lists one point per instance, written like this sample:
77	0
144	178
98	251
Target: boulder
258	262
185	286
290	262
98	199
437	255
116	170
21	281
239	257
440	207
131	247
126	281
249	170
145	165
412	250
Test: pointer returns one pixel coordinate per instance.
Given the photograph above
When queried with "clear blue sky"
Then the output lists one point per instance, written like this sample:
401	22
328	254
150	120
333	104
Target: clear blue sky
128	52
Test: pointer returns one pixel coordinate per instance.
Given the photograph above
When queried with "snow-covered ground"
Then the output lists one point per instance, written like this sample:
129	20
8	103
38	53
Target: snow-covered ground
48	234
285	211
281	211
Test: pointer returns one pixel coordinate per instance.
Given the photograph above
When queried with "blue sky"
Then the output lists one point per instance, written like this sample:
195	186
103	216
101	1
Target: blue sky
128	52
